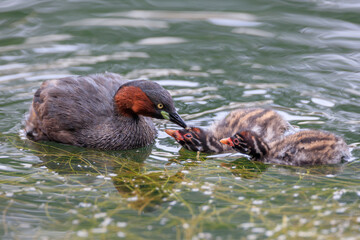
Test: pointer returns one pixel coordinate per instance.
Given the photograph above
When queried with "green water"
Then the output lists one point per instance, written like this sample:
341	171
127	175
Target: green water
299	57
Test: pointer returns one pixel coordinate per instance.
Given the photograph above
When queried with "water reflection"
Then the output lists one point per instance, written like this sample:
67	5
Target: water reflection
299	57
30	70
119	22
142	189
36	41
254	32
161	41
244	168
156	72
76	160
188	158
185	15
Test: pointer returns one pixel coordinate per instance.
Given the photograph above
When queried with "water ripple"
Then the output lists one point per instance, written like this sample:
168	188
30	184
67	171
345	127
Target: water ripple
161	41
118	22
297	57
185	15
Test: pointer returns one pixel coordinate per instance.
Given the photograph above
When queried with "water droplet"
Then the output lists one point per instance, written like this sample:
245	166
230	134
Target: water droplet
258	202
100	215
121	224
106	222
99	230
82	233
205	208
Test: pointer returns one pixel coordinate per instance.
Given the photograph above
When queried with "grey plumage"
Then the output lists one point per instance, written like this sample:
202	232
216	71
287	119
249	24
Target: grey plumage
80	111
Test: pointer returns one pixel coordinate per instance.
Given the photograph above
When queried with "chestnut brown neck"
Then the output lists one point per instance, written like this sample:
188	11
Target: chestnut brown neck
131	101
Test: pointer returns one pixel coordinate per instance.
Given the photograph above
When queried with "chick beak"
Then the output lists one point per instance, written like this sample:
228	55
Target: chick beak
227	141
175	118
175	134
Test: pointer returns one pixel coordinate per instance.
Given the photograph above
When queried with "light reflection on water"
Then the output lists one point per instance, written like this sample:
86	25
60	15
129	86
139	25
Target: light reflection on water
294	56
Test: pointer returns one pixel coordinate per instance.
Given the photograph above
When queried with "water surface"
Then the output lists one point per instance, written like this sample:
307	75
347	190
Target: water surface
299	57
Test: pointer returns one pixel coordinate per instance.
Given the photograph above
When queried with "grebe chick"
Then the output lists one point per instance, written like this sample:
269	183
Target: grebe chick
308	147
102	111
265	122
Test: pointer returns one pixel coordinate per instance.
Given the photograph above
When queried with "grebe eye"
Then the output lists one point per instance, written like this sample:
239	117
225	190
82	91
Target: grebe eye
160	106
236	141
188	135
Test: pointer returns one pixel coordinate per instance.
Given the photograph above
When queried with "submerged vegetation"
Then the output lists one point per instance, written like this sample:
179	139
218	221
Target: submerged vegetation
300	58
95	194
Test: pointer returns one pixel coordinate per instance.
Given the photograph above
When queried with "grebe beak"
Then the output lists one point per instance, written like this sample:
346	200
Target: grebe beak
227	141
175	118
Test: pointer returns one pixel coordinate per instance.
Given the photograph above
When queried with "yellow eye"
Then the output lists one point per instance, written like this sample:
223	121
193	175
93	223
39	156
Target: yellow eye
160	106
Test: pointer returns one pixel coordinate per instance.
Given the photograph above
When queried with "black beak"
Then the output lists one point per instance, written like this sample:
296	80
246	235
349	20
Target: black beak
175	118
